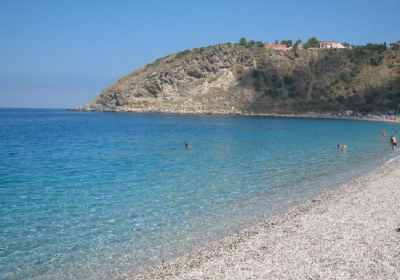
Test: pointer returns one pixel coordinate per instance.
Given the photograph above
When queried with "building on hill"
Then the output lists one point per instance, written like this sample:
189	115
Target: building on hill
277	46
395	45
331	45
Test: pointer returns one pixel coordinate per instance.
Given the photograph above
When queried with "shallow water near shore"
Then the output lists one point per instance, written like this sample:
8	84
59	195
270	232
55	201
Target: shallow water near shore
98	195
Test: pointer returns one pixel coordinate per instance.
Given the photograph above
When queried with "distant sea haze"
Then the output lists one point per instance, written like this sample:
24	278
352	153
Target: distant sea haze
98	195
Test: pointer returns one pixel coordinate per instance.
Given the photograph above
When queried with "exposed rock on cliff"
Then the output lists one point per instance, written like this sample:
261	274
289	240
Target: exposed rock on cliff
232	79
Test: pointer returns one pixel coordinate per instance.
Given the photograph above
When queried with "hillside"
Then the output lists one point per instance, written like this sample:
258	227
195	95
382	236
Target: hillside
233	79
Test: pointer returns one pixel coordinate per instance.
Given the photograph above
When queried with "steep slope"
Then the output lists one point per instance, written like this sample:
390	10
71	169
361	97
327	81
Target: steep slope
233	79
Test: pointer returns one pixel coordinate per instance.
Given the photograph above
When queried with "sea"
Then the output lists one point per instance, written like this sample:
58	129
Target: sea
88	195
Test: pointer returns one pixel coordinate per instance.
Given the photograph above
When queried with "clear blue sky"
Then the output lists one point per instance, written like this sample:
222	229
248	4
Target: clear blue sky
62	53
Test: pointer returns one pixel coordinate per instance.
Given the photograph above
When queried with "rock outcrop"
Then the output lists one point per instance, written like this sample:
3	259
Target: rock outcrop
233	79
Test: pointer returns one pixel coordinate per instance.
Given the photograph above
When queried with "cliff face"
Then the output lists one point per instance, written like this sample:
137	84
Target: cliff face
233	79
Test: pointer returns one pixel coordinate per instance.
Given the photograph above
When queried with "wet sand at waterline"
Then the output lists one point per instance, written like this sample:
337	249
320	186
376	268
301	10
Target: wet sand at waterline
346	233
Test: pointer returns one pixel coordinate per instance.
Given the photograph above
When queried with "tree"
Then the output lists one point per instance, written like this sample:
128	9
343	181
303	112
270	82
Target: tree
242	41
313	42
259	44
251	43
375	47
276	41
288	80
298	42
288	43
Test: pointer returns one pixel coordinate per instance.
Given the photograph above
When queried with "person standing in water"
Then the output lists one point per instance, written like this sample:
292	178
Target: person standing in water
393	140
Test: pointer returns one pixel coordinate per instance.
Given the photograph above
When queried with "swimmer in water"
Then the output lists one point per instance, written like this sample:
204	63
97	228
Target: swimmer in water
344	148
393	140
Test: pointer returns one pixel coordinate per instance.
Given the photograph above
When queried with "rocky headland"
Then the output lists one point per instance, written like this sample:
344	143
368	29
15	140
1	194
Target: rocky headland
235	79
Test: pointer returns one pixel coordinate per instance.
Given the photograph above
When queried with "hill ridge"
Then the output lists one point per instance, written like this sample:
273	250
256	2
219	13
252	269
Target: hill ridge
234	79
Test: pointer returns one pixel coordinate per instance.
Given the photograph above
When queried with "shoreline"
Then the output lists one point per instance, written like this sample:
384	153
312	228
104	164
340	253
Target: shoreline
347	232
310	115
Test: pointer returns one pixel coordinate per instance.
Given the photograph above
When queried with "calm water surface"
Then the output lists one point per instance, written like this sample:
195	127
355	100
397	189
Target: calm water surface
98	195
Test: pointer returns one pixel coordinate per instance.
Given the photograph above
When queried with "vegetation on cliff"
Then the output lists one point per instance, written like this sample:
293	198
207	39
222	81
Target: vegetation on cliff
248	78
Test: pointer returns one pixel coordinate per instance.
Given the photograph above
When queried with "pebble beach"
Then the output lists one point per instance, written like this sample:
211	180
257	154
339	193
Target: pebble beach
350	232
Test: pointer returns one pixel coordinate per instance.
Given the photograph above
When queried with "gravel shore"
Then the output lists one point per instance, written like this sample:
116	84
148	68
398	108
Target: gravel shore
347	233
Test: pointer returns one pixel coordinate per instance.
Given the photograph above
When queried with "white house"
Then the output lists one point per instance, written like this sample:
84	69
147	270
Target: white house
331	45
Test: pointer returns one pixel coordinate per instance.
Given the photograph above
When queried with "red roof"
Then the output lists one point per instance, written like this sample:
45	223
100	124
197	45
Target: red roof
277	46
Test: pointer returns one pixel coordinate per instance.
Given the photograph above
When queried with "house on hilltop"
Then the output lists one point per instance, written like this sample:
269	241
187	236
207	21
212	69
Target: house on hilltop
395	45
277	46
331	45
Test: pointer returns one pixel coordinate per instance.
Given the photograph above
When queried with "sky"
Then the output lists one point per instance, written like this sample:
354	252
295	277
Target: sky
63	53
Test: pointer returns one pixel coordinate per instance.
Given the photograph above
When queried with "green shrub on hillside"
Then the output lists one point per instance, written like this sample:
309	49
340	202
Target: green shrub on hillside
272	93
288	43
182	54
288	80
242	41
257	85
312	43
260	44
344	76
256	74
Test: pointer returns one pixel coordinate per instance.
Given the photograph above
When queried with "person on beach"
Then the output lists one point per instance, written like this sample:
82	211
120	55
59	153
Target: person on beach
393	140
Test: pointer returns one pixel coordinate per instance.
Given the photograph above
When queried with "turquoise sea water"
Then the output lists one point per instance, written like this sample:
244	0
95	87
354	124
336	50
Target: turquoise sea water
98	195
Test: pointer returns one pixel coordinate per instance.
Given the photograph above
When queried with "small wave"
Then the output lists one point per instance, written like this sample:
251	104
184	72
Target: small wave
392	159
